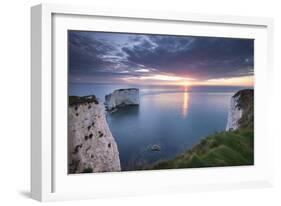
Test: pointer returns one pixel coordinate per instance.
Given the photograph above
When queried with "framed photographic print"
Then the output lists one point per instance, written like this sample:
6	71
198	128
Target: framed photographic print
134	102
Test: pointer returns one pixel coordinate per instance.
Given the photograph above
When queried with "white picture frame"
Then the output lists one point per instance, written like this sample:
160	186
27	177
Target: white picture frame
49	181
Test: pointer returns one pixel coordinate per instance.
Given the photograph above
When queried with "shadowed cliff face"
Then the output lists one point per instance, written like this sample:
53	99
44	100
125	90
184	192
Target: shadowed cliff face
91	146
241	112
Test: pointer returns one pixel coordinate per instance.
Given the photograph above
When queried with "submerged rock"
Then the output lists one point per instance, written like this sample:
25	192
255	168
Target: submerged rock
91	146
121	98
155	148
241	112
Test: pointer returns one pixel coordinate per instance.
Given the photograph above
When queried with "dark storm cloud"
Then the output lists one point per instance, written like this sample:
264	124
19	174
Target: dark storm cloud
114	56
200	57
97	57
85	51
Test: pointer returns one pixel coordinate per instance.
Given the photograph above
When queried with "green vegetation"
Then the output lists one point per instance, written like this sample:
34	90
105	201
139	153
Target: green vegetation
126	89
74	100
231	148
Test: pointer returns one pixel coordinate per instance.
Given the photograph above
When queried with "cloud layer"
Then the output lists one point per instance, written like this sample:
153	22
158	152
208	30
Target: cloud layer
101	57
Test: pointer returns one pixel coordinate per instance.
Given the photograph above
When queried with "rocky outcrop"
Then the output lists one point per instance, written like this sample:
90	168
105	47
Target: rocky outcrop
234	114
241	112
91	146
122	97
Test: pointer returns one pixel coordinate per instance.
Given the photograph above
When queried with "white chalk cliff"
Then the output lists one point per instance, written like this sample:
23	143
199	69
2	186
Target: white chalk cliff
234	114
122	97
92	147
241	111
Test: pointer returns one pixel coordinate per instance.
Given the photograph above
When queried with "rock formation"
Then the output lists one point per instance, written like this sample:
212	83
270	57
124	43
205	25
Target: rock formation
122	97
91	146
241	112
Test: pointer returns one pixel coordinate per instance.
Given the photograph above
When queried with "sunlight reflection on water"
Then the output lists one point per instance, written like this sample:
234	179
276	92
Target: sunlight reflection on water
185	103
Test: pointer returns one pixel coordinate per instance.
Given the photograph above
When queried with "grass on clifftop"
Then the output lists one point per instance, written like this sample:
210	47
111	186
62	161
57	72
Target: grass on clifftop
231	148
74	100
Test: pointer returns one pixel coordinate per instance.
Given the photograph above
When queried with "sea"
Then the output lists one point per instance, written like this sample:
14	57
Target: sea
170	118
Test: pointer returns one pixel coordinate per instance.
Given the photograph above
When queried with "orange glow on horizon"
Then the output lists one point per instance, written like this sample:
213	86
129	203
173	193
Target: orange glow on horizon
234	81
160	78
184	81
163	77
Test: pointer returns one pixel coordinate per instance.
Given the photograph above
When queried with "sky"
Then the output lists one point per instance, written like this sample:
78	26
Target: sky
145	59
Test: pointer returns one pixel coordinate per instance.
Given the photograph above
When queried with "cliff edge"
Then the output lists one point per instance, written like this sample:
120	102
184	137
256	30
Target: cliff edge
241	111
91	146
122	97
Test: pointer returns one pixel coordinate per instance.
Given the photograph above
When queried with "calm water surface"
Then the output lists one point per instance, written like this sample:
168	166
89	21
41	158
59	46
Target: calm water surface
175	118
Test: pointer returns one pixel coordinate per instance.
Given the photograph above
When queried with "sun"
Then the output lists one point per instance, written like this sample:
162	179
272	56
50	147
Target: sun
184	83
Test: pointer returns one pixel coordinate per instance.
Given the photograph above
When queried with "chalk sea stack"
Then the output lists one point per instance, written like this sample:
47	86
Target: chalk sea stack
121	98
